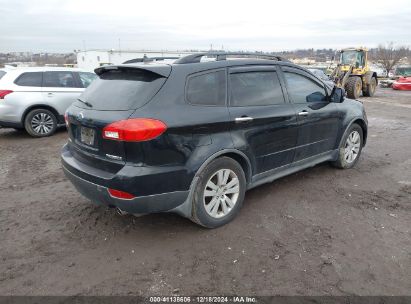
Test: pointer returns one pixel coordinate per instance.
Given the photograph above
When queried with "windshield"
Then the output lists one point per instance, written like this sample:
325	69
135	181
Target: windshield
121	89
352	57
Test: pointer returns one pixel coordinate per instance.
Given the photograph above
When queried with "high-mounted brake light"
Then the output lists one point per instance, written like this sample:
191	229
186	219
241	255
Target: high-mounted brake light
134	129
120	194
3	93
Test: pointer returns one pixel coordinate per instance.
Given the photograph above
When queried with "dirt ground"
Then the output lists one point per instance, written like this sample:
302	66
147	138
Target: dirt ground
322	231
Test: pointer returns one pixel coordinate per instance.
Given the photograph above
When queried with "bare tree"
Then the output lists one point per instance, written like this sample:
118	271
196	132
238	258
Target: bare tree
389	55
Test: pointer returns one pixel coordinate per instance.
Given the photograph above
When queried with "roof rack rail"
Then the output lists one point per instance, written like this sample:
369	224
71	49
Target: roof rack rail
196	57
149	59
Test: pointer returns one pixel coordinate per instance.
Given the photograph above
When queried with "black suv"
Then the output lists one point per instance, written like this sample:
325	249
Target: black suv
192	136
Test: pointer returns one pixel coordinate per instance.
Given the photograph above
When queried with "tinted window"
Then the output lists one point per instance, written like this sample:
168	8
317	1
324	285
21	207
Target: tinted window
31	79
2	73
302	89
255	89
59	80
207	89
122	89
86	78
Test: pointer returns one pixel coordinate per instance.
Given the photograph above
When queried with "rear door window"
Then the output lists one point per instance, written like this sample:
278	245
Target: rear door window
2	73
59	79
255	89
122	89
207	89
30	79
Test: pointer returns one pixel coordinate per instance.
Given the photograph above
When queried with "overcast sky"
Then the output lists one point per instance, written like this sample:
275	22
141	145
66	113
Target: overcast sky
65	25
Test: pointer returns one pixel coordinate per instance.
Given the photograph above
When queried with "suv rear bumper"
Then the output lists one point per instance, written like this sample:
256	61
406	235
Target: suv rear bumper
99	194
146	204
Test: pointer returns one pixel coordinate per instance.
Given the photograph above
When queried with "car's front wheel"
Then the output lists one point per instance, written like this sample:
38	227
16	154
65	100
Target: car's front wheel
350	148
219	193
40	123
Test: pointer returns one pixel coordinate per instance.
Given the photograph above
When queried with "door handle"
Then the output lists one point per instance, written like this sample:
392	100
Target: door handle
303	113
243	119
50	94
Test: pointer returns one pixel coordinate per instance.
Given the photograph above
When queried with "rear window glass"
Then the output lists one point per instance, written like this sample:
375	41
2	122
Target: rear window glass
255	89
30	79
207	89
122	89
57	79
2	73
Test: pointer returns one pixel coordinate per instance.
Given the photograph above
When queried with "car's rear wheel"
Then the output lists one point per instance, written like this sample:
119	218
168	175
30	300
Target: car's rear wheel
351	147
219	193
40	123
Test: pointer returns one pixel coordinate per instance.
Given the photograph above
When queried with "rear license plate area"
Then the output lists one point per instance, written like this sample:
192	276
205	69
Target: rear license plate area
87	136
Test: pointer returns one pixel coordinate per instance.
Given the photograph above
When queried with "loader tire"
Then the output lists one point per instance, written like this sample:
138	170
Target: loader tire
370	88
354	87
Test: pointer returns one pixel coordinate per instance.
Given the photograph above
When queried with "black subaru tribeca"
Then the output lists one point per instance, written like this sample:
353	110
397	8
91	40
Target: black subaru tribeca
192	136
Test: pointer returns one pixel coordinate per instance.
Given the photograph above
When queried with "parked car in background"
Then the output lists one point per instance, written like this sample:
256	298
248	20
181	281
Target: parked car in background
395	74
2	73
35	99
191	137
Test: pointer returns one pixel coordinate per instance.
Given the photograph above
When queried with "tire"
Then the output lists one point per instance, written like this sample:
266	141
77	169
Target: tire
40	123
370	88
354	87
226	205
343	162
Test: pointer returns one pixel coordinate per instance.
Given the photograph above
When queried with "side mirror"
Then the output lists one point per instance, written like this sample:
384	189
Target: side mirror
337	95
316	97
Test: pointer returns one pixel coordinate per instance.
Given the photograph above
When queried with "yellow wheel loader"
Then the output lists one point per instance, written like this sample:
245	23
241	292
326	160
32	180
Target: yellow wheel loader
353	73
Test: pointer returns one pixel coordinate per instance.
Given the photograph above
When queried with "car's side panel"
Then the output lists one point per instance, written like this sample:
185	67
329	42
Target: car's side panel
268	139
14	105
318	121
350	112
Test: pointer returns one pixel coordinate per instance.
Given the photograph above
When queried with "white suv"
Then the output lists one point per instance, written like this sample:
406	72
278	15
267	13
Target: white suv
36	98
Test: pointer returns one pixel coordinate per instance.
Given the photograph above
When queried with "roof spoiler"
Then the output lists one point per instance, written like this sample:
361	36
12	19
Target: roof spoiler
162	70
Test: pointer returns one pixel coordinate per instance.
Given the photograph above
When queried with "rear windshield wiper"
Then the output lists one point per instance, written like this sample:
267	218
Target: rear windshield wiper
85	102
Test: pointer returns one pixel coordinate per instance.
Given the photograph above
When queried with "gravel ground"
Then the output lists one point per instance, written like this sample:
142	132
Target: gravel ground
322	231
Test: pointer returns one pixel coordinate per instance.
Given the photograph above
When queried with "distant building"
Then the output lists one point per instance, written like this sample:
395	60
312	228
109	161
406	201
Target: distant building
91	59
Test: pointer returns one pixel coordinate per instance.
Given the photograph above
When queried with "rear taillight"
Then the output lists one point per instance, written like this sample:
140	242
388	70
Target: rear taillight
66	119
3	93
134	129
120	194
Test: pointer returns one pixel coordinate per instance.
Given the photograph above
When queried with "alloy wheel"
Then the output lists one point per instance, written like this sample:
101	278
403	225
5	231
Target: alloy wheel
221	193
42	123
352	147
